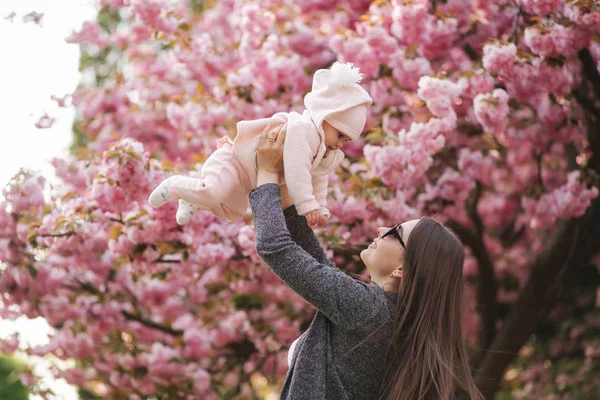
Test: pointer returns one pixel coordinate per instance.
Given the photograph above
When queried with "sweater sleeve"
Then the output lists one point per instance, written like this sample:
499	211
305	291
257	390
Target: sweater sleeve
304	236
347	302
300	146
320	189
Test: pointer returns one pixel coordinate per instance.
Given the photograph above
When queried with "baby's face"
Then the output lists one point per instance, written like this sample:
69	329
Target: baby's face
334	139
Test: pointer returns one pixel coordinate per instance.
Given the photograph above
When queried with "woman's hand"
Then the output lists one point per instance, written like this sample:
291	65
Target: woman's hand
269	155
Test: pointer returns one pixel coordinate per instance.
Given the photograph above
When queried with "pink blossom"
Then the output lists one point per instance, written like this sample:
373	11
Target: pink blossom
475	165
115	3
491	110
378	40
201	379
27	379
317	5
408	71
61	101
497	210
90	33
153	13
34	17
548	39
256	21
499	58
439	94
541	7
10	345
351	206
583	15
130	35
357	50
246	239
402	165
10	17
75	376
479	82
25	192
45	122
558	79
451	190
408	20
438	37
567	201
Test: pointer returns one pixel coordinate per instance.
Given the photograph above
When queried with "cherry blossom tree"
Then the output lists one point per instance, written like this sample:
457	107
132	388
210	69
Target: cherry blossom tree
485	112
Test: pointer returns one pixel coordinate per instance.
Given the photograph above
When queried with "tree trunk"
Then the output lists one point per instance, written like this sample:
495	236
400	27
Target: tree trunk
574	245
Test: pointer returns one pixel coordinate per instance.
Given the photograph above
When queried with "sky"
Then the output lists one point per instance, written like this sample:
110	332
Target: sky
37	63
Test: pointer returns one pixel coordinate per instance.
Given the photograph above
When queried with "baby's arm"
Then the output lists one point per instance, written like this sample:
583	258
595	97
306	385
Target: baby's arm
320	184
301	145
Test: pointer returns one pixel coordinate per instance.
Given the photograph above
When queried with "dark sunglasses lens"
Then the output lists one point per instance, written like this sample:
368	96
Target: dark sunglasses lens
390	232
394	232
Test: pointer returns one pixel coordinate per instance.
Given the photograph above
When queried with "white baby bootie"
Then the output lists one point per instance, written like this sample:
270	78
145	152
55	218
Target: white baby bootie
185	211
161	194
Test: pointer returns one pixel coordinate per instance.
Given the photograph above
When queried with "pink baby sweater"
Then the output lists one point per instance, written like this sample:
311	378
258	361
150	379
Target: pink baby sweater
306	162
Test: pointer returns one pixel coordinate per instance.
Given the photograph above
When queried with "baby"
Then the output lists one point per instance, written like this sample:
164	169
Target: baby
336	112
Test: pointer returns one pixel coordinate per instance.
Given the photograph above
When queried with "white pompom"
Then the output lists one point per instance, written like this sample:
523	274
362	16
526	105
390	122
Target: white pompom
344	74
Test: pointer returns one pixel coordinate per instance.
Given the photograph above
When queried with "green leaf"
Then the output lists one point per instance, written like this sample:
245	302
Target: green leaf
248	301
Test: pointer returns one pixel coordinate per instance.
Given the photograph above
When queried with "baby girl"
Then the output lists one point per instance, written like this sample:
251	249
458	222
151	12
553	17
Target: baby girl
336	112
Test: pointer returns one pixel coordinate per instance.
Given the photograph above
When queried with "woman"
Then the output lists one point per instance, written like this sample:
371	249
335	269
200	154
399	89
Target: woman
396	338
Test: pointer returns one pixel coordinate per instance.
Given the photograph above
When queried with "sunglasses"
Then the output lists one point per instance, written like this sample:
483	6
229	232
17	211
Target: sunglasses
394	232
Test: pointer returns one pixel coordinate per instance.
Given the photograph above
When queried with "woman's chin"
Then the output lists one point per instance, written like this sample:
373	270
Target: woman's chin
364	256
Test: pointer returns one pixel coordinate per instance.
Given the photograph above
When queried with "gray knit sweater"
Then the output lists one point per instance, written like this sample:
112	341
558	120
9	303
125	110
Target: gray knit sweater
340	356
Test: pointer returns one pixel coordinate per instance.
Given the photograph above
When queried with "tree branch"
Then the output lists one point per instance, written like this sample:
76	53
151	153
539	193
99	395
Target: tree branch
472	209
513	32
166	261
586	103
538	163
589	70
487	287
129	316
65	234
151	324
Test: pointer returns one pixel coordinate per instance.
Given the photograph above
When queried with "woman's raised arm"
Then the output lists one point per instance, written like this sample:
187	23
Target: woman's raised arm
345	301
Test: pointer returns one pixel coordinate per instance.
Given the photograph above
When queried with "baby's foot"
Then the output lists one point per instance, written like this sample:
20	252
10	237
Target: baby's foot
161	194
185	211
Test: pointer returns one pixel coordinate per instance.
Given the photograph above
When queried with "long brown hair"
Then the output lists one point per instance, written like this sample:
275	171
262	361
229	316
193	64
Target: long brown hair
427	358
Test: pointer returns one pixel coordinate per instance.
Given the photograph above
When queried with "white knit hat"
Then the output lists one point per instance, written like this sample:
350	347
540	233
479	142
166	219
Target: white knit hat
334	97
350	122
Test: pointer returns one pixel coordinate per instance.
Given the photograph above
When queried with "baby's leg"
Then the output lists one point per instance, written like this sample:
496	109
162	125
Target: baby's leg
222	189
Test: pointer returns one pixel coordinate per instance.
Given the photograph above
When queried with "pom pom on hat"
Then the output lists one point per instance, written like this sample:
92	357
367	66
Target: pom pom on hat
344	74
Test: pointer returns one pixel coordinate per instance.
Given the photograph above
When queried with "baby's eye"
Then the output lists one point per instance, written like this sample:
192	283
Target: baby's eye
340	136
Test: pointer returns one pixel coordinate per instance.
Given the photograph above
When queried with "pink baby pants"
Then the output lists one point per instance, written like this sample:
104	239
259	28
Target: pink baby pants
223	186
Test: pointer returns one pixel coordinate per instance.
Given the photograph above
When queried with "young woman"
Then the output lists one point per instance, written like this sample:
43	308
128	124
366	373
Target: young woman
396	338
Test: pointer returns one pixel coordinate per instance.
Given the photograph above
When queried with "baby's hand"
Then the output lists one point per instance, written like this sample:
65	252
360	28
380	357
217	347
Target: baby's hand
322	220
313	218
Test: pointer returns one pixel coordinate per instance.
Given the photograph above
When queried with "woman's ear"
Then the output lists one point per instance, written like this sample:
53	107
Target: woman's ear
397	273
